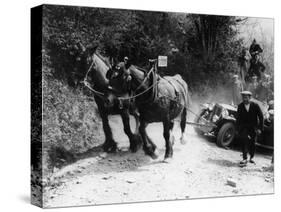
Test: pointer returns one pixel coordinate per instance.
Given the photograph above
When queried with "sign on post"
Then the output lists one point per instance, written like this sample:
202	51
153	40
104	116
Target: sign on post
162	61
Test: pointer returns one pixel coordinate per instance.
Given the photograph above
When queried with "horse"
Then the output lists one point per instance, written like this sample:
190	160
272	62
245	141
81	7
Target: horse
97	82
157	99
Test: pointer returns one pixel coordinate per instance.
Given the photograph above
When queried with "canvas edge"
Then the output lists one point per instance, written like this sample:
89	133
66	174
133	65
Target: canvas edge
36	106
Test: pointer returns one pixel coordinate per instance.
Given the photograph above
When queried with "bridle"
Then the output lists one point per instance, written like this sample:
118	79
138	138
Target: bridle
87	84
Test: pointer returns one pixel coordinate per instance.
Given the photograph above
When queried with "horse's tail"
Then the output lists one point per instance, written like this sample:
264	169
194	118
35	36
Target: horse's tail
187	104
183	119
187	99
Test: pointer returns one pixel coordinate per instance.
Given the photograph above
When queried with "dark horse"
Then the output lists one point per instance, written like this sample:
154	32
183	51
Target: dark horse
157	99
98	83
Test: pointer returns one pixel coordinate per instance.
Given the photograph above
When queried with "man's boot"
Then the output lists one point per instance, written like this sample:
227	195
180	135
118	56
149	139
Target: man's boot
243	162
252	161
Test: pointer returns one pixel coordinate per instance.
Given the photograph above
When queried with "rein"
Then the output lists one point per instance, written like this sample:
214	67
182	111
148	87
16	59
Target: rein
144	80
87	84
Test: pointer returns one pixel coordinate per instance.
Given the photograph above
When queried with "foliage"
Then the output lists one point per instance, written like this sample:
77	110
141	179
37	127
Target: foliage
198	46
71	124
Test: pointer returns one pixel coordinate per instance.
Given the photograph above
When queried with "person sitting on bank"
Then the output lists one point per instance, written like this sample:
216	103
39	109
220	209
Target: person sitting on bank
255	48
249	124
256	67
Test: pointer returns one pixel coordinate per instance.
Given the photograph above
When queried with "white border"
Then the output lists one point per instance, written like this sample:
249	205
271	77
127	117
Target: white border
15	101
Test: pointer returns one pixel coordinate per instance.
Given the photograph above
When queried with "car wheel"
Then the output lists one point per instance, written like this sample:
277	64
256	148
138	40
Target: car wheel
226	135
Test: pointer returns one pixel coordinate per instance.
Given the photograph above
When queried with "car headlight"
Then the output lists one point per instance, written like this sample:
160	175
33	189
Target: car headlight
224	113
215	118
208	106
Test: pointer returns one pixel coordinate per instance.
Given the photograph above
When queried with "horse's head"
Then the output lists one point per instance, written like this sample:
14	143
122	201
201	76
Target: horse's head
119	83
97	67
119	77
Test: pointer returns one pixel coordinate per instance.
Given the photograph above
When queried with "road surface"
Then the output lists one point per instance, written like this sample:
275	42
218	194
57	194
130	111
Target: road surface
199	169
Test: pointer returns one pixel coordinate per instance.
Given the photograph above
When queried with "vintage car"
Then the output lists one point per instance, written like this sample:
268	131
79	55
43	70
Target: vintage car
218	120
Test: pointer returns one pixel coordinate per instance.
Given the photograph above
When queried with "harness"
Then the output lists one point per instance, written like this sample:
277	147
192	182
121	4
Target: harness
153	87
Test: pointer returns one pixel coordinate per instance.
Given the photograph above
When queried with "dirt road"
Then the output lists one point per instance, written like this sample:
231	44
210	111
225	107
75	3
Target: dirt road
198	169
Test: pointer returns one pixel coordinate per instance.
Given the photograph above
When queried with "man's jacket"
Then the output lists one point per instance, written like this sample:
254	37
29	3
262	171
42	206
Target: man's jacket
253	119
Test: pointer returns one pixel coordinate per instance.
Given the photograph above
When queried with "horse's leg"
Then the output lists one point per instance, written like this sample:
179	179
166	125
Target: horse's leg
183	138
109	145
135	139
166	134
148	146
137	119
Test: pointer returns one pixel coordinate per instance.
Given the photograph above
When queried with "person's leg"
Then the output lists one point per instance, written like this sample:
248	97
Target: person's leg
252	146
244	143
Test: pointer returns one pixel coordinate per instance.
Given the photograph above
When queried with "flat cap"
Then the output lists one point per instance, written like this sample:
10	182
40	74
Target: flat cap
249	93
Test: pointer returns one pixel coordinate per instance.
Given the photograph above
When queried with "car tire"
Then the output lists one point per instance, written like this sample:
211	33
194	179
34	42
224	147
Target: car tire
226	134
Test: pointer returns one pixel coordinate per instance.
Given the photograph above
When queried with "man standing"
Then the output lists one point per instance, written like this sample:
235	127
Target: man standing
249	124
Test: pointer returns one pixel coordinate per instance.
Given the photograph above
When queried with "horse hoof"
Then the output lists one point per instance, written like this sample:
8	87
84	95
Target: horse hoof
110	147
134	148
135	143
167	160
153	155
183	140
113	149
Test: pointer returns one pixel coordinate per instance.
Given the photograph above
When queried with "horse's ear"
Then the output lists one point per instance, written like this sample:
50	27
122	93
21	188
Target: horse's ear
111	61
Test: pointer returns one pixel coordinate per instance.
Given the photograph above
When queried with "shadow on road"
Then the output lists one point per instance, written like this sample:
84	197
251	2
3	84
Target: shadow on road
223	162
